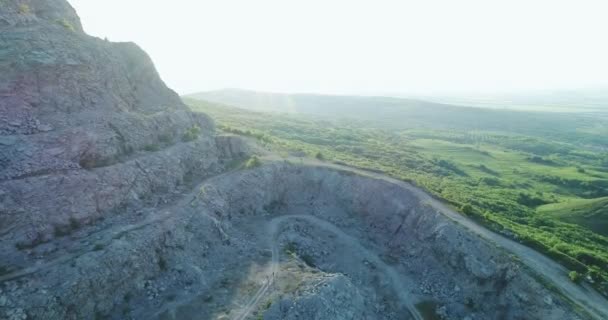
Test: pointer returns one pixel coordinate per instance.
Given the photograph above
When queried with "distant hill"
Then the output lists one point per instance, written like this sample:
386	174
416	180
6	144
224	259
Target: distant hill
403	114
312	103
582	100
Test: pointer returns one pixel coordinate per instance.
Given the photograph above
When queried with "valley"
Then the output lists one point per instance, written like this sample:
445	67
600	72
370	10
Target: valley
500	177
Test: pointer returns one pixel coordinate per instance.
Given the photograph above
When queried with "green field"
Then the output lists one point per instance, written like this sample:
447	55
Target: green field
544	190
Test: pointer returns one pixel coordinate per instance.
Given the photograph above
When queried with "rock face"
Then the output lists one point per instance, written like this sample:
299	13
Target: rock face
86	125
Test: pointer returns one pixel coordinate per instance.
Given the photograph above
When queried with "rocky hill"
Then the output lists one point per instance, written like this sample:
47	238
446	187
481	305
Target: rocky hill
118	202
85	124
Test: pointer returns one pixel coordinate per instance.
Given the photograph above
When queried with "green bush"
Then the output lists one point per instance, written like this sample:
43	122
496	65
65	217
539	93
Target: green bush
24	9
191	134
467	209
66	24
253	162
575	276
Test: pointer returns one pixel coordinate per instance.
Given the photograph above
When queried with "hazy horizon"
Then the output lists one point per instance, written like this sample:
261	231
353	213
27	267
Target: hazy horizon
363	47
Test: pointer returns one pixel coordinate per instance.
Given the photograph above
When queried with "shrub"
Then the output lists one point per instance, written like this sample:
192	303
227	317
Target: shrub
467	209
575	276
24	9
319	156
98	247
151	147
66	24
253	162
191	134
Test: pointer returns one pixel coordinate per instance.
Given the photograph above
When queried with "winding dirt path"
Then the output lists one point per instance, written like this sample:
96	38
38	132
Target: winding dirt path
400	288
583	295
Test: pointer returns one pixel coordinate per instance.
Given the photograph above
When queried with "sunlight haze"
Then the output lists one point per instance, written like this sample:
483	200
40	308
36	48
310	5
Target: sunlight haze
363	47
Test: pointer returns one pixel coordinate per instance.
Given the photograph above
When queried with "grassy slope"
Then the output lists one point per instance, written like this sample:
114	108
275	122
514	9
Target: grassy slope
503	176
591	213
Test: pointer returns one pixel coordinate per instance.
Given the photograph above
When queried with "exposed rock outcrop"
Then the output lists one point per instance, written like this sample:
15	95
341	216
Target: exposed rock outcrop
86	125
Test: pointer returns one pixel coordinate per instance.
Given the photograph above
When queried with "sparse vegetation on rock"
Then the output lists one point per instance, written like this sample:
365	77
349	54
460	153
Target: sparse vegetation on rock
191	134
253	162
574	276
24	9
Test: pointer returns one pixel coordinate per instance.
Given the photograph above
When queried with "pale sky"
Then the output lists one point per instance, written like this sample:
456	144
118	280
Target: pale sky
365	47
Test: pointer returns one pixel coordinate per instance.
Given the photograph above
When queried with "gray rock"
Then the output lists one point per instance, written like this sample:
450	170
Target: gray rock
7	140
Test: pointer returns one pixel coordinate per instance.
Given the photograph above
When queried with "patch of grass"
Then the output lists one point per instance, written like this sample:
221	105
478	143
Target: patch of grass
24	9
66	24
253	162
236	163
589	213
